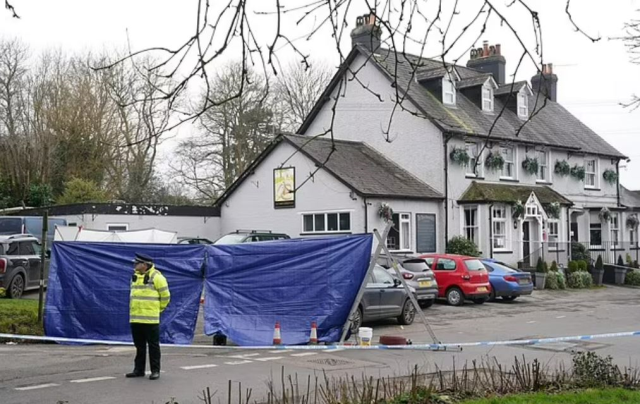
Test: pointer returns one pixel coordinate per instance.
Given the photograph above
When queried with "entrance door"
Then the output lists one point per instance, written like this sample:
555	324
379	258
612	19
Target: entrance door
526	244
574	231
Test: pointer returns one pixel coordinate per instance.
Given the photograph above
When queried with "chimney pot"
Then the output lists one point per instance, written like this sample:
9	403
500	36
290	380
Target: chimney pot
366	33
485	48
489	59
498	51
546	82
550	68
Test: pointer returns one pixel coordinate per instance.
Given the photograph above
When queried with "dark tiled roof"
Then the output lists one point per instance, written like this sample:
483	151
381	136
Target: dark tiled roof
364	169
510	88
431	73
551	126
489	192
473	81
629	198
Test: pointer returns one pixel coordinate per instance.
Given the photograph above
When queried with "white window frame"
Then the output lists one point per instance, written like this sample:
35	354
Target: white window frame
473	157
633	238
514	159
594	173
125	225
596	221
505	221
543	168
475	227
326	222
617	240
487	98
554	245
523	104
448	80
404	218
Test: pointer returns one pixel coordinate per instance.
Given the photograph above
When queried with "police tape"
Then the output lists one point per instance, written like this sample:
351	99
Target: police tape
428	347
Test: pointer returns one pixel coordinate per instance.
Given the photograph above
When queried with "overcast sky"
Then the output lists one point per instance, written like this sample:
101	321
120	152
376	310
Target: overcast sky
593	78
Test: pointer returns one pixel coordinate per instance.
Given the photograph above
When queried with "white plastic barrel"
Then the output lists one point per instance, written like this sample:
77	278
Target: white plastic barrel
366	335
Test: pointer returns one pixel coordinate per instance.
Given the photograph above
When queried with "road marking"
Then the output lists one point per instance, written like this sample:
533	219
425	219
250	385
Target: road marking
530	322
92	379
273	358
561	316
277	351
335	350
237	362
198	367
39	386
244	356
304	354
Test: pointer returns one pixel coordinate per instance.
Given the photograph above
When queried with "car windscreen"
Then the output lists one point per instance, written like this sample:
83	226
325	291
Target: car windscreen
503	268
474	265
416	265
33	225
10	225
231	239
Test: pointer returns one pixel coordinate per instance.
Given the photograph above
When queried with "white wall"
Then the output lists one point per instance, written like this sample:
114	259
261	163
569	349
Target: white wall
185	226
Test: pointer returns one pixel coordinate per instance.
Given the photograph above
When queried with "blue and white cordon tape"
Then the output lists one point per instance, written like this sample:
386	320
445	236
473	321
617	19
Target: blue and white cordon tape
429	347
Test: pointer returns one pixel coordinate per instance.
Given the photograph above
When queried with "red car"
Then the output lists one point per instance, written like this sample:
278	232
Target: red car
459	278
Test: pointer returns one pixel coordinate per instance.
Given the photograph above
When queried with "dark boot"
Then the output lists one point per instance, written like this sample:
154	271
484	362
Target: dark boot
135	374
154	376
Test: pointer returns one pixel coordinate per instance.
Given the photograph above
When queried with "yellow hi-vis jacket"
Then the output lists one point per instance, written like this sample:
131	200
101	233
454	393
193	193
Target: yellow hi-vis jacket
148	299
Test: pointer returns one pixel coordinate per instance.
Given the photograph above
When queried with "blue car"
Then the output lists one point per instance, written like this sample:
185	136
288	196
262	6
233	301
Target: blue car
507	283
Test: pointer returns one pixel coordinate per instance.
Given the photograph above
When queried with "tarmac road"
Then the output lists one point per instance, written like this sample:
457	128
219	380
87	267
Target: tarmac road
95	374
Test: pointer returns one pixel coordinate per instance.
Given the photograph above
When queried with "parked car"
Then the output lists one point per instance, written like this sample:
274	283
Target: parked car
194	240
32	225
418	276
20	262
384	297
506	282
459	278
249	236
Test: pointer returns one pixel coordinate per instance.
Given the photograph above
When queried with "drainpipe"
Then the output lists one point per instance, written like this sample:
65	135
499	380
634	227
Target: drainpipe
366	216
618	181
446	192
569	243
490	232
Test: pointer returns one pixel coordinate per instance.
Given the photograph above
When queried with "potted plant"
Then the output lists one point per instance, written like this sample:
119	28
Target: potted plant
385	212
459	156
541	274
578	172
553	210
494	161
598	272
562	168
620	271
610	176
530	165
605	214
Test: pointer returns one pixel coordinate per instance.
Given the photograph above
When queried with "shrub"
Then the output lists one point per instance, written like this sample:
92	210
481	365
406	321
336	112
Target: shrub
579	252
540	265
3	292
628	260
636	264
551	281
554	266
573	267
582	266
579	280
463	246
620	261
591	370
599	264
632	278
562	282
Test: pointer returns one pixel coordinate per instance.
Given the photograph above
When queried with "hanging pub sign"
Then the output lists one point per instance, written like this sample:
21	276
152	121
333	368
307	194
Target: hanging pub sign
284	186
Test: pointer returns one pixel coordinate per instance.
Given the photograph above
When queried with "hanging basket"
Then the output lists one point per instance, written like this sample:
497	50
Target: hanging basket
562	168
610	176
385	212
633	221
517	210
553	210
459	156
530	165
494	161
578	172
605	214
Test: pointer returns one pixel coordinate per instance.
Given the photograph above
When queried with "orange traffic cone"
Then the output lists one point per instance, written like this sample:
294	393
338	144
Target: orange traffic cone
313	338
277	339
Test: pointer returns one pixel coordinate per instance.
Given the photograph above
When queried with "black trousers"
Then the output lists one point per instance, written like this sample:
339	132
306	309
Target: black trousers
144	334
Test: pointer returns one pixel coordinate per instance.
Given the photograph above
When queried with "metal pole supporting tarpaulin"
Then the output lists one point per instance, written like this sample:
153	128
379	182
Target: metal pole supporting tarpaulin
363	285
414	301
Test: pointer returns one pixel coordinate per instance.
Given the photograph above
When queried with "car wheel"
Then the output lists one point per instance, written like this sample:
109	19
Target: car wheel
509	298
16	287
425	304
356	320
479	301
455	297
408	313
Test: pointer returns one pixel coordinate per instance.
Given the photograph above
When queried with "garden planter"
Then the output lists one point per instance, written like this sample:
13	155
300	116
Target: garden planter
541	278
621	274
597	275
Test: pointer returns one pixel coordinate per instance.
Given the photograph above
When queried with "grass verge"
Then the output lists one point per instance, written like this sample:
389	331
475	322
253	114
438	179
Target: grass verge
595	396
19	316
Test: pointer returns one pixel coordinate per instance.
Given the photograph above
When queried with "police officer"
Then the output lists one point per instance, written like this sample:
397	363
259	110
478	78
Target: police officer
149	297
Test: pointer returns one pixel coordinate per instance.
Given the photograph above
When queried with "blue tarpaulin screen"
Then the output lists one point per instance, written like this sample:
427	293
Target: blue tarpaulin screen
89	286
251	286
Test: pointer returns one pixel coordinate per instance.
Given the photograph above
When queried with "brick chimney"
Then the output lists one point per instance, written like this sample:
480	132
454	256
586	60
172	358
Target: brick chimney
488	59
366	33
546	82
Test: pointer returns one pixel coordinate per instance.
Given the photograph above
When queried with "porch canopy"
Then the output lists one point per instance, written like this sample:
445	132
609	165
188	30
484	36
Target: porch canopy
511	193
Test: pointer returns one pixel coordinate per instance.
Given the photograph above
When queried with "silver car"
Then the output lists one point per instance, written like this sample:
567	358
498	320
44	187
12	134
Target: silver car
384	297
418	276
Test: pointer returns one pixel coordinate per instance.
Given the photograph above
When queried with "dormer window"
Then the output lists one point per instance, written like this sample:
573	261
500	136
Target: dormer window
487	98
523	105
448	91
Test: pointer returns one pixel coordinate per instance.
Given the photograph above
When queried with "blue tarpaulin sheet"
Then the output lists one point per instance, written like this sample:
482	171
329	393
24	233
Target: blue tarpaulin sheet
89	286
249	287
294	282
